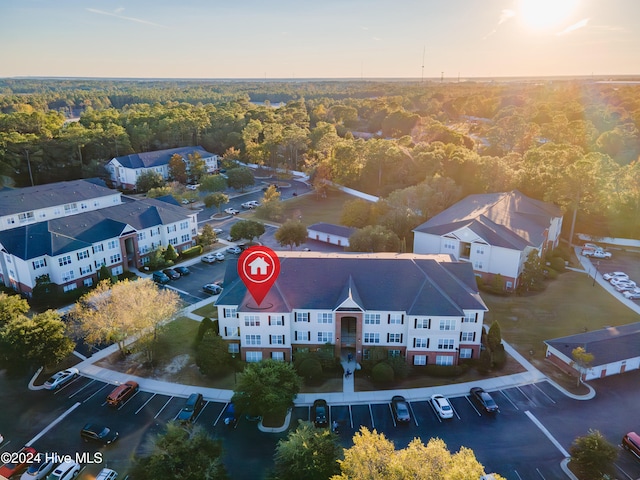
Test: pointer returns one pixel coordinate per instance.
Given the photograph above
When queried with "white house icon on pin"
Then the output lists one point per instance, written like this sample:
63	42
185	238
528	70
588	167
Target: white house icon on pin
258	266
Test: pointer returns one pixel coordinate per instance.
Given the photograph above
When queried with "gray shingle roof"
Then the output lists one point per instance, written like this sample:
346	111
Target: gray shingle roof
417	284
332	229
508	219
608	345
25	199
159	157
75	232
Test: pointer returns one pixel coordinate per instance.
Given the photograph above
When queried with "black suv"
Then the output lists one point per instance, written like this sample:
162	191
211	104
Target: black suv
98	433
191	408
320	413
484	400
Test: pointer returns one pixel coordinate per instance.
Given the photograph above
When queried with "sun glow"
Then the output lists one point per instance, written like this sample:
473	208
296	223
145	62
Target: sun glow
545	14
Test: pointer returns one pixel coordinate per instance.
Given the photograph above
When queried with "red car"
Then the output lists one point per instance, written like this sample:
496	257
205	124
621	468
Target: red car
19	461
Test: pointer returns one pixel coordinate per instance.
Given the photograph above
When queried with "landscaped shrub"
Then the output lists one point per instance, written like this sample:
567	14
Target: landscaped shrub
212	355
550	273
499	357
310	369
205	325
376	355
484	362
191	252
382	373
400	367
557	264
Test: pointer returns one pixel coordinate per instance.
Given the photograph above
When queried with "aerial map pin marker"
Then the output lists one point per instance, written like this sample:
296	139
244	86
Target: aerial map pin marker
258	268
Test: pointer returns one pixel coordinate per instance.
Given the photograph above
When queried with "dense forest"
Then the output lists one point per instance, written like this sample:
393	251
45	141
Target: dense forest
419	145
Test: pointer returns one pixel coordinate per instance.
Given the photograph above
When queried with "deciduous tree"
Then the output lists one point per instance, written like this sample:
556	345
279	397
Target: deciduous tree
374	238
148	180
583	360
593	456
216	200
248	229
177	168
212	183
240	178
291	233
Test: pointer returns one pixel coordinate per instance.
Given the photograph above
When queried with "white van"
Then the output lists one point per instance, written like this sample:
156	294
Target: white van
107	474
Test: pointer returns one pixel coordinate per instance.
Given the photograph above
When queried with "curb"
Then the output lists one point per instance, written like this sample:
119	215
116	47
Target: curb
284	427
33	379
564	464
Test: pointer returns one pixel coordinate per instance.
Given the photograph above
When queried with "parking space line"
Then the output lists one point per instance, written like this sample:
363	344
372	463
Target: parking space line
350	416
516	472
472	405
120	407
547	433
415	419
220	415
52	424
393	417
5	444
454	410
74	394
433	409
373	425
163	407
540	473
623	472
145	404
97	391
507	397
201	410
527	397
542	391
67	385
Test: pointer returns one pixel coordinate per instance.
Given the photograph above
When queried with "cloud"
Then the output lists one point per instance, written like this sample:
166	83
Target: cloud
123	17
505	15
582	23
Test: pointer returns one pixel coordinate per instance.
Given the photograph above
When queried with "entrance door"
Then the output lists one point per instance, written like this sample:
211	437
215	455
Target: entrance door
348	332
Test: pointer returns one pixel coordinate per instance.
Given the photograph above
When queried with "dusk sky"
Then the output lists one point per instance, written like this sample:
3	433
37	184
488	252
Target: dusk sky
318	39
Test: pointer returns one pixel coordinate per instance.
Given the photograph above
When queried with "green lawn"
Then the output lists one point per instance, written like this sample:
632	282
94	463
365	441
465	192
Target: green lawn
571	304
208	310
176	338
312	209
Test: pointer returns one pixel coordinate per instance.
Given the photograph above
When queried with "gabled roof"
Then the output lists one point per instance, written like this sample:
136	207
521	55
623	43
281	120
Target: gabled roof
332	229
608	345
25	199
417	284
67	234
159	157
508	219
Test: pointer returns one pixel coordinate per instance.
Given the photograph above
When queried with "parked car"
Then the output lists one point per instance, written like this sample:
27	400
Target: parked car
234	250
191	408
212	288
122	393
442	406
26	456
60	378
231	211
209	258
93	432
182	271
193	187
171	273
598	253
219	256
160	277
67	470
624	286
217	231
320	413
632	294
484	400
631	443
39	469
611	275
250	204
107	474
400	409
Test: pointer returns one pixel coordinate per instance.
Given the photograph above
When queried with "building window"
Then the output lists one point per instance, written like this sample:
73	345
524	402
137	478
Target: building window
66	260
325	337
422	323
117	258
66	276
252	339
276	320
420	342
142	235
444	360
372	319
171	228
83	255
396	319
229	312
395	338
25	217
445	344
70	208
99	263
276	339
111	244
68	288
394	353
98	248
234	348
254	357
277	356
419	359
117	271
251	321
184	225
447	324
477	265
11	221
371	337
85	270
173	241
480	250
325	318
87	282
185	238
466	352
509	285
466	336
302	316
470	318
40	263
301	336
365	354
